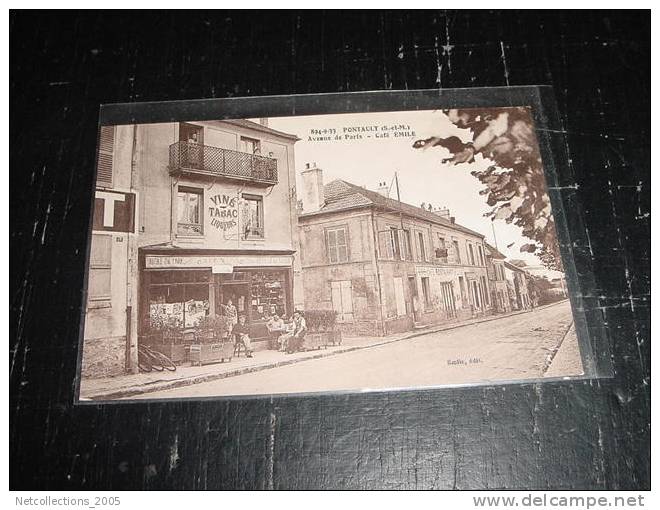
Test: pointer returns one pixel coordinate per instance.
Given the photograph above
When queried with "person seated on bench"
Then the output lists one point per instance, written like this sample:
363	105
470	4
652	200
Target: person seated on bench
275	327
297	340
289	327
241	334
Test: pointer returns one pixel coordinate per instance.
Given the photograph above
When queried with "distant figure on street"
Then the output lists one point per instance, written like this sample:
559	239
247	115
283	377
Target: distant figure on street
241	333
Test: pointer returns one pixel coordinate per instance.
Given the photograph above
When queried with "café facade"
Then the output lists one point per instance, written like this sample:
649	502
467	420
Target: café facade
213	220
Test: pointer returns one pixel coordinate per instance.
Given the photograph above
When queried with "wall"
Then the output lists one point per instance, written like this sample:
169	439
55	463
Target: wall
438	271
318	274
365	256
105	321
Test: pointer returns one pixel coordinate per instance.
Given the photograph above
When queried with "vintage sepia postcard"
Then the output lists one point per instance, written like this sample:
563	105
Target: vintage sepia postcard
323	253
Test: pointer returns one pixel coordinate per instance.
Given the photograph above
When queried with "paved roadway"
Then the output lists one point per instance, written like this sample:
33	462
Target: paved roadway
509	348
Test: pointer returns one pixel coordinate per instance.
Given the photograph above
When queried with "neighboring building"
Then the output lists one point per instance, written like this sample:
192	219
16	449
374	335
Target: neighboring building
518	287
498	282
212	217
559	284
110	318
383	265
556	278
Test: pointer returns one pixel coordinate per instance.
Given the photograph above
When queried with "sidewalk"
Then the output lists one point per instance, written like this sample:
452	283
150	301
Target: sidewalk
566	359
136	384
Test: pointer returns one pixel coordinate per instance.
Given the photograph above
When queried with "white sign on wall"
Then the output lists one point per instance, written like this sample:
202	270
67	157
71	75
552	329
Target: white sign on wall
436	271
170	261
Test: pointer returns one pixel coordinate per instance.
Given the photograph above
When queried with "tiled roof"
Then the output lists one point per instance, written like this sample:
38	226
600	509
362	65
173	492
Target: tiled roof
514	268
494	252
342	195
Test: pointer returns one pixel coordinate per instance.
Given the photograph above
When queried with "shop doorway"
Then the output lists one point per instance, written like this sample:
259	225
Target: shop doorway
412	284
238	293
449	302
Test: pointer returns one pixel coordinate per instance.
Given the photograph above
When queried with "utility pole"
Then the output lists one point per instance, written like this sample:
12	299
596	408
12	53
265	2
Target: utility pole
492	224
398	198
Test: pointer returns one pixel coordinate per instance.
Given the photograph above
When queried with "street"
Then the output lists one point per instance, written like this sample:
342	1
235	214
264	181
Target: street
510	348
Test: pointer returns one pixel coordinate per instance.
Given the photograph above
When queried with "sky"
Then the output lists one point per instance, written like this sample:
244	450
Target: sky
422	176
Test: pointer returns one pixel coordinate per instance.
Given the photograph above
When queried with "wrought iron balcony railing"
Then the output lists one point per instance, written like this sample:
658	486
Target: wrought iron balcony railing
194	158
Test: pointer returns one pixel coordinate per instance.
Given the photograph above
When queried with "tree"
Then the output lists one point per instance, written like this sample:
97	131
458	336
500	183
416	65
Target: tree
514	184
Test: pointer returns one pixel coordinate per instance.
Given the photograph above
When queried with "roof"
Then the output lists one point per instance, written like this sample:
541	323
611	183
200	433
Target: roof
341	195
248	124
496	254
508	265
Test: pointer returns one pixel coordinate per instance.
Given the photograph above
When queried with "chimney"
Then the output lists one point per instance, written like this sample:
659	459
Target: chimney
263	121
383	189
313	194
443	212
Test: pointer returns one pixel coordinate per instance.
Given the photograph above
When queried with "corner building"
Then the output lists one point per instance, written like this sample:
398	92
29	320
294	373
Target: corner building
214	219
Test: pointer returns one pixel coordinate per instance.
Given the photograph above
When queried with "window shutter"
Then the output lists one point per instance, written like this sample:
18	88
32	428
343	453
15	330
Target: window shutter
101	251
335	288
385	241
105	154
347	300
99	285
399	296
342	245
332	246
403	244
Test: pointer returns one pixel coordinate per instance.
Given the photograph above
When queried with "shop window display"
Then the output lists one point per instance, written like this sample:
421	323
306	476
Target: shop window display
178	298
268	295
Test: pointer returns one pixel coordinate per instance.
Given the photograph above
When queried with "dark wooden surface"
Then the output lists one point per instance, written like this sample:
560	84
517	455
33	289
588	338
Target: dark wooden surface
592	434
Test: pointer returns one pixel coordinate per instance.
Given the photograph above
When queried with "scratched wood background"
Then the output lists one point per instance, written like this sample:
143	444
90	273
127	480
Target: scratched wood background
587	435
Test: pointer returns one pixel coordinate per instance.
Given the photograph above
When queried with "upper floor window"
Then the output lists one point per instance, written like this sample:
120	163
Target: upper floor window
441	250
192	150
254	226
386	243
191	133
457	251
395	244
189	211
471	254
337	244
422	247
250	145
481	255
404	244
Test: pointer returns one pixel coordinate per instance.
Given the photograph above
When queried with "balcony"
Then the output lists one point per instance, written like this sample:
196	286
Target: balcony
193	159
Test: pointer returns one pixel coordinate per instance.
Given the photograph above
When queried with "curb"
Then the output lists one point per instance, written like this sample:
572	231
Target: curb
551	358
179	383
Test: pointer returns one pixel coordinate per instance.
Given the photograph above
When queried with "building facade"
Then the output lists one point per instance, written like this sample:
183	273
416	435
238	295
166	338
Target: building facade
213	220
111	300
497	278
386	266
518	285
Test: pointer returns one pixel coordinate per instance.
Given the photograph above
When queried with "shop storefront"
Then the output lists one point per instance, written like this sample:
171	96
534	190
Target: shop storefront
182	289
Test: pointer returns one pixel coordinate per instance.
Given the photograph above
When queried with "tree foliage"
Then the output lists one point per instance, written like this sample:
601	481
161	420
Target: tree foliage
514	184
